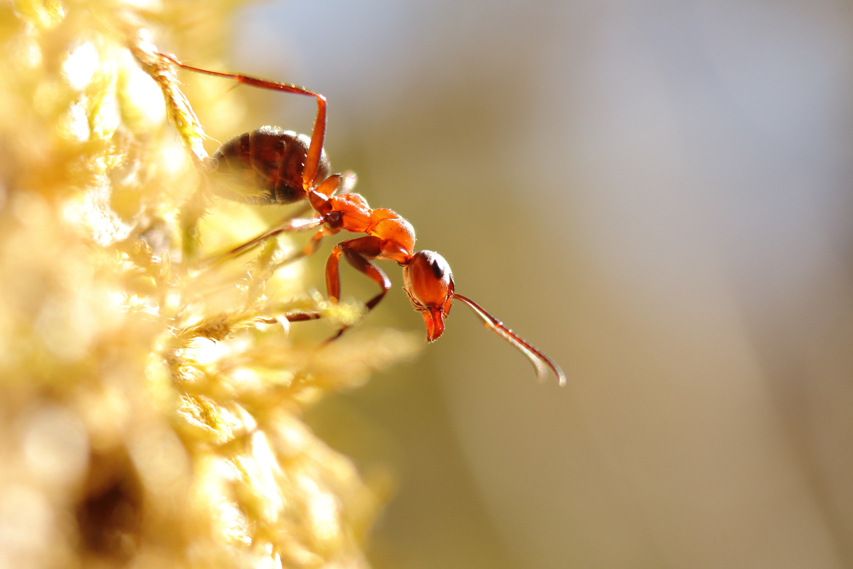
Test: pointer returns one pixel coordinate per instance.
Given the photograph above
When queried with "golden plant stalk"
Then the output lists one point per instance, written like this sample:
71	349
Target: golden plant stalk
150	407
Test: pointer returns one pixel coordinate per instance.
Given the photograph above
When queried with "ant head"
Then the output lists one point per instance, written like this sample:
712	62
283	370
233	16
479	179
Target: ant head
429	284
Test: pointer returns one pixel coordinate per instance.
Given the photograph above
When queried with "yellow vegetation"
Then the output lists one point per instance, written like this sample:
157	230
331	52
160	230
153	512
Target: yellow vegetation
150	403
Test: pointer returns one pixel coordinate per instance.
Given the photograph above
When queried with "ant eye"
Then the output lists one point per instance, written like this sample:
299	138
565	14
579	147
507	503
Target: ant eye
436	262
437	268
428	278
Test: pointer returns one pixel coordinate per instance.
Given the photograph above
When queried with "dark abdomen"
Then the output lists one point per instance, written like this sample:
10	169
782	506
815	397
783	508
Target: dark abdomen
264	166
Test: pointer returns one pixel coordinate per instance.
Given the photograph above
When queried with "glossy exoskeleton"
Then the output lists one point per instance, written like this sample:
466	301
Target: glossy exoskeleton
275	166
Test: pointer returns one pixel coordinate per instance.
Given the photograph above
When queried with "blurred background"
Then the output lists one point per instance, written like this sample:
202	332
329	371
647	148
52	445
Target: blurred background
656	194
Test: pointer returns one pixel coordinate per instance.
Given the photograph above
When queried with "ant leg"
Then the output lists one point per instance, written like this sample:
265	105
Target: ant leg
287	225
334	184
358	253
348	180
290	224
306	251
309	248
303	316
315	149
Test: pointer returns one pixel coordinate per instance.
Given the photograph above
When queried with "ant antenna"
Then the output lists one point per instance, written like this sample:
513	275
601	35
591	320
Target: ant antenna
540	361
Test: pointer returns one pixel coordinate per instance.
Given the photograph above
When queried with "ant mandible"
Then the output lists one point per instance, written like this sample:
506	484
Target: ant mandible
274	166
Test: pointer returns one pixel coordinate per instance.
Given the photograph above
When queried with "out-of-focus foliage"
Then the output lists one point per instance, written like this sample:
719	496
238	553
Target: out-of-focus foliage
150	401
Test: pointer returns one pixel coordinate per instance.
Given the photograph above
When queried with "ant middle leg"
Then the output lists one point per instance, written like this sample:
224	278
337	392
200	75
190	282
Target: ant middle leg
358	253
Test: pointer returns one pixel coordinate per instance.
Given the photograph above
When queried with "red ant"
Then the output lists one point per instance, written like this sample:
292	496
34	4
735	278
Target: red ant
274	166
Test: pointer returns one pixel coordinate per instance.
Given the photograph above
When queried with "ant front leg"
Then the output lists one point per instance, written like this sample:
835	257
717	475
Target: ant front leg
358	253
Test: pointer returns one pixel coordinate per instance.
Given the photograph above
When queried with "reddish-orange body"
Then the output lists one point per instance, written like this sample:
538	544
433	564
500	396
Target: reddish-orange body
271	165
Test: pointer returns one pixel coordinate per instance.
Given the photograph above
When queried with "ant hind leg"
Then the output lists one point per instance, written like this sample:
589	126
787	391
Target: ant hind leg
315	149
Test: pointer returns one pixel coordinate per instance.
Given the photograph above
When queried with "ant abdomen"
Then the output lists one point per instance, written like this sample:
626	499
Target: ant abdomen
264	167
